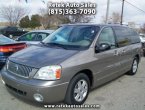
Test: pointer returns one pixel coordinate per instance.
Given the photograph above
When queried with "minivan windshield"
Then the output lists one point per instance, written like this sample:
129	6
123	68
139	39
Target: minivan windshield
72	37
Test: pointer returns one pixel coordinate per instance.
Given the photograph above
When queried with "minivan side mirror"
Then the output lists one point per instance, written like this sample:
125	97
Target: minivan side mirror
102	47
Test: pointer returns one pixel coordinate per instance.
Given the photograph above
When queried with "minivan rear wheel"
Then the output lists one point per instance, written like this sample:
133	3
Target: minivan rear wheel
78	90
134	67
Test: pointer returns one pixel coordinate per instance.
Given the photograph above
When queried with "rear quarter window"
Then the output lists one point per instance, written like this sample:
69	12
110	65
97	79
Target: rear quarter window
122	35
126	36
134	36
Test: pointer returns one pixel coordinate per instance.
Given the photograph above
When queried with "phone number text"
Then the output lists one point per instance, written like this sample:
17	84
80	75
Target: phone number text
86	11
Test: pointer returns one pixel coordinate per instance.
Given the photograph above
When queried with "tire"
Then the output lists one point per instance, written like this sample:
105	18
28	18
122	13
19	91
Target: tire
134	67
73	92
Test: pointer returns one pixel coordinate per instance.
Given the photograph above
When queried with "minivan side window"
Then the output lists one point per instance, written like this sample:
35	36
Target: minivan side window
126	36
107	36
123	36
134	36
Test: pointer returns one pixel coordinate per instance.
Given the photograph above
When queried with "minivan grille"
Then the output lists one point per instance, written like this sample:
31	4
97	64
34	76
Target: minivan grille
18	69
20	92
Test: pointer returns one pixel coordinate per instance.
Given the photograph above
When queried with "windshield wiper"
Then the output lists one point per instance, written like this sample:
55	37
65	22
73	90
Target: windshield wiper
56	44
43	43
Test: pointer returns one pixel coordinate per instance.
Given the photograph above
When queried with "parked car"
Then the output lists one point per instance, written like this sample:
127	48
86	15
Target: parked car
71	61
142	38
11	31
7	47
34	37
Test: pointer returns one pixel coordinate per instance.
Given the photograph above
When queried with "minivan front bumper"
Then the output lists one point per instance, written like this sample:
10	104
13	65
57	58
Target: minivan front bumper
50	91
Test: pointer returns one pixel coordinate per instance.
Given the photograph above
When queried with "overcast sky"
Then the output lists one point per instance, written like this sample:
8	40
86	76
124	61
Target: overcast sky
131	14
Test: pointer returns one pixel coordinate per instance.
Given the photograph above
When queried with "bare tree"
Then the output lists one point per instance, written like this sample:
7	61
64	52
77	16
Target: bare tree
80	18
44	19
143	28
12	14
103	19
48	21
114	18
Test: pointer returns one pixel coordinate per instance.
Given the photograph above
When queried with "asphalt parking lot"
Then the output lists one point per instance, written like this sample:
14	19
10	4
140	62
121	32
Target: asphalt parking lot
124	93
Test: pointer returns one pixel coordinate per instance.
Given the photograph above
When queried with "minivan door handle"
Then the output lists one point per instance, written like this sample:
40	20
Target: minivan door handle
123	51
116	53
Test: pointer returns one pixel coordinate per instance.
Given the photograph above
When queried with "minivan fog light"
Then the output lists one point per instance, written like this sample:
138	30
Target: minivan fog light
38	97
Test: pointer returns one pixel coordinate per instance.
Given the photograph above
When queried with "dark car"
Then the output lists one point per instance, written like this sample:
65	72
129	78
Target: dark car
11	31
71	61
7	47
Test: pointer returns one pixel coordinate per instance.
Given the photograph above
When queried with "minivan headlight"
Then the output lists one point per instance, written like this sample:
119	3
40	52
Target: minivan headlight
49	73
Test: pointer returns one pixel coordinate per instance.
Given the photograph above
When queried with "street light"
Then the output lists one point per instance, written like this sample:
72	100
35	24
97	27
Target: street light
122	12
107	11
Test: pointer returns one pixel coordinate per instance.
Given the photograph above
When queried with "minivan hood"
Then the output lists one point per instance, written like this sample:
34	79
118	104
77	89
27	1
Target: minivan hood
38	56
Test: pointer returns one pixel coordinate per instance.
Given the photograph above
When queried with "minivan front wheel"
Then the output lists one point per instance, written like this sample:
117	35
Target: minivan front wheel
134	67
78	90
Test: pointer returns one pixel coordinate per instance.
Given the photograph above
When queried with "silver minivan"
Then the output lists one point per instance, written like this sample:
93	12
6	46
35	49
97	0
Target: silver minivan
71	61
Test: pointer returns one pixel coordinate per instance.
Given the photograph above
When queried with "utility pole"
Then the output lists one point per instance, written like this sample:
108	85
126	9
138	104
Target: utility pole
107	11
122	12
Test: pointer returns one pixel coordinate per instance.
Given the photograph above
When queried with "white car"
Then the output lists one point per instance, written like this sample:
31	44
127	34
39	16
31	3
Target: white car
34	37
142	38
